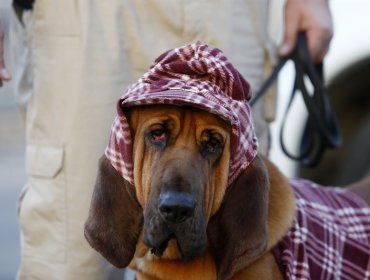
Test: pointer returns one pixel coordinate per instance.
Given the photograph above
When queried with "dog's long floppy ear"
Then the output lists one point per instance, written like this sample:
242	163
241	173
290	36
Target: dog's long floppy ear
115	219
238	231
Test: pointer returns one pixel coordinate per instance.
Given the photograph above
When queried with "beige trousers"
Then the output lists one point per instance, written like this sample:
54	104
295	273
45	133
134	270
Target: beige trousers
79	58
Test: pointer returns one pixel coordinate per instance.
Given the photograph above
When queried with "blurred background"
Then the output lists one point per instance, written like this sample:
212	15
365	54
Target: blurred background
347	76
347	71
12	167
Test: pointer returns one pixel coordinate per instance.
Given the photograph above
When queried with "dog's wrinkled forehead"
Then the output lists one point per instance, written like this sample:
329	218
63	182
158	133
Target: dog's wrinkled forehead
196	75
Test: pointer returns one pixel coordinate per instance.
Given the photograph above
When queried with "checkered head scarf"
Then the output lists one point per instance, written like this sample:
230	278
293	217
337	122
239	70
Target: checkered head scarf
195	75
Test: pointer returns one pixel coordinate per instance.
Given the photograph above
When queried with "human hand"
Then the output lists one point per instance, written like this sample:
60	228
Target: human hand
4	74
312	17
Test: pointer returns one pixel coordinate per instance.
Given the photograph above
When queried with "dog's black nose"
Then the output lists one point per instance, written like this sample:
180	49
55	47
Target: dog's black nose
176	207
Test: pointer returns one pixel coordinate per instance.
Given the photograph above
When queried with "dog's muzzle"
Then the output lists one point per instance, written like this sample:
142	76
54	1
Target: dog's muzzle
175	216
175	206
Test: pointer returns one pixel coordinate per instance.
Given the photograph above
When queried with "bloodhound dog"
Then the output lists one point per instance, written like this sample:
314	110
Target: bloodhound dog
180	220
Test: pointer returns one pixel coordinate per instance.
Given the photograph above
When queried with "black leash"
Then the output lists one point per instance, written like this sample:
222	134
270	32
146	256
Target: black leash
321	131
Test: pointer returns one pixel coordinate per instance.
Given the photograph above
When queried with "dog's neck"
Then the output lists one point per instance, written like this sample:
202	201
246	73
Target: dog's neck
170	265
281	205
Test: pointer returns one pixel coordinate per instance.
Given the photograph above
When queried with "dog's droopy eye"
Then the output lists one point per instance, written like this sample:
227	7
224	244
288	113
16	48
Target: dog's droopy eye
158	134
212	143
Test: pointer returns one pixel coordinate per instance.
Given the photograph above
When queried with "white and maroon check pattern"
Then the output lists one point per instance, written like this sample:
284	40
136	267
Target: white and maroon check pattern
330	237
197	75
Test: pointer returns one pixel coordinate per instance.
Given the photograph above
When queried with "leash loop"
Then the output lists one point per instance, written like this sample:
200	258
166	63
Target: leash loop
321	131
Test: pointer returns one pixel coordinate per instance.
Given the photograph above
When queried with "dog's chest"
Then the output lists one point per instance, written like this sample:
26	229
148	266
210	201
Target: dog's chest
150	267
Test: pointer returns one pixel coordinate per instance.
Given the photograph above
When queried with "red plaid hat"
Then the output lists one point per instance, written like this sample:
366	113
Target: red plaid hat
197	75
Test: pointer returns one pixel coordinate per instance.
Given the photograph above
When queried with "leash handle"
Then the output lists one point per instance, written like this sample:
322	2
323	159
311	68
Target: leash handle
321	131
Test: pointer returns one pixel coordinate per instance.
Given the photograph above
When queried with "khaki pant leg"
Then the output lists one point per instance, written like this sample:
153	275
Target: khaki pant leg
66	128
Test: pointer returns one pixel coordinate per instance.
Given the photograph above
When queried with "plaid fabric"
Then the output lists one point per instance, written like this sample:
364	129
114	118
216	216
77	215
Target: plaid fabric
330	237
197	75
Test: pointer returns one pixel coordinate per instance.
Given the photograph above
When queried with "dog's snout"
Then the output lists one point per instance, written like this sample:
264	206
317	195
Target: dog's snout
176	207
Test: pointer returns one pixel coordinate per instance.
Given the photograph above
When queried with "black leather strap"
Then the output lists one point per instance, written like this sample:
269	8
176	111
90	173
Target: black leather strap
321	131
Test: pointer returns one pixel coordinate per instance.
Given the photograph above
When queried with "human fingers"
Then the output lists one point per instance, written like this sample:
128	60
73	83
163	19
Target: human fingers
292	20
318	25
318	43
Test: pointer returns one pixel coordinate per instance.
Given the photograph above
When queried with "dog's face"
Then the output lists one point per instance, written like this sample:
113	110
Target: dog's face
181	159
180	204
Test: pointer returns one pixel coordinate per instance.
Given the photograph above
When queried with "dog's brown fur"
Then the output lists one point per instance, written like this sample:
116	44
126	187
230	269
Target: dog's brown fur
232	230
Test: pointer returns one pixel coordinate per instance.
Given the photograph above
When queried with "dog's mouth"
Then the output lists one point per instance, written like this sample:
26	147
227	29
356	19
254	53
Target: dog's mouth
188	253
158	251
190	237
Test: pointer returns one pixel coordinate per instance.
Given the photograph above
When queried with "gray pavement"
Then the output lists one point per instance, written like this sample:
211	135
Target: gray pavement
12	168
12	174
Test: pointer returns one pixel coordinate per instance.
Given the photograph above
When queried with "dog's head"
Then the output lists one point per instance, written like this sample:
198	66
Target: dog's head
181	159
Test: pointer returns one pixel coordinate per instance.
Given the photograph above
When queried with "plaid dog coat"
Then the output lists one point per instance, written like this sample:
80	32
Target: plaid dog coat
330	236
